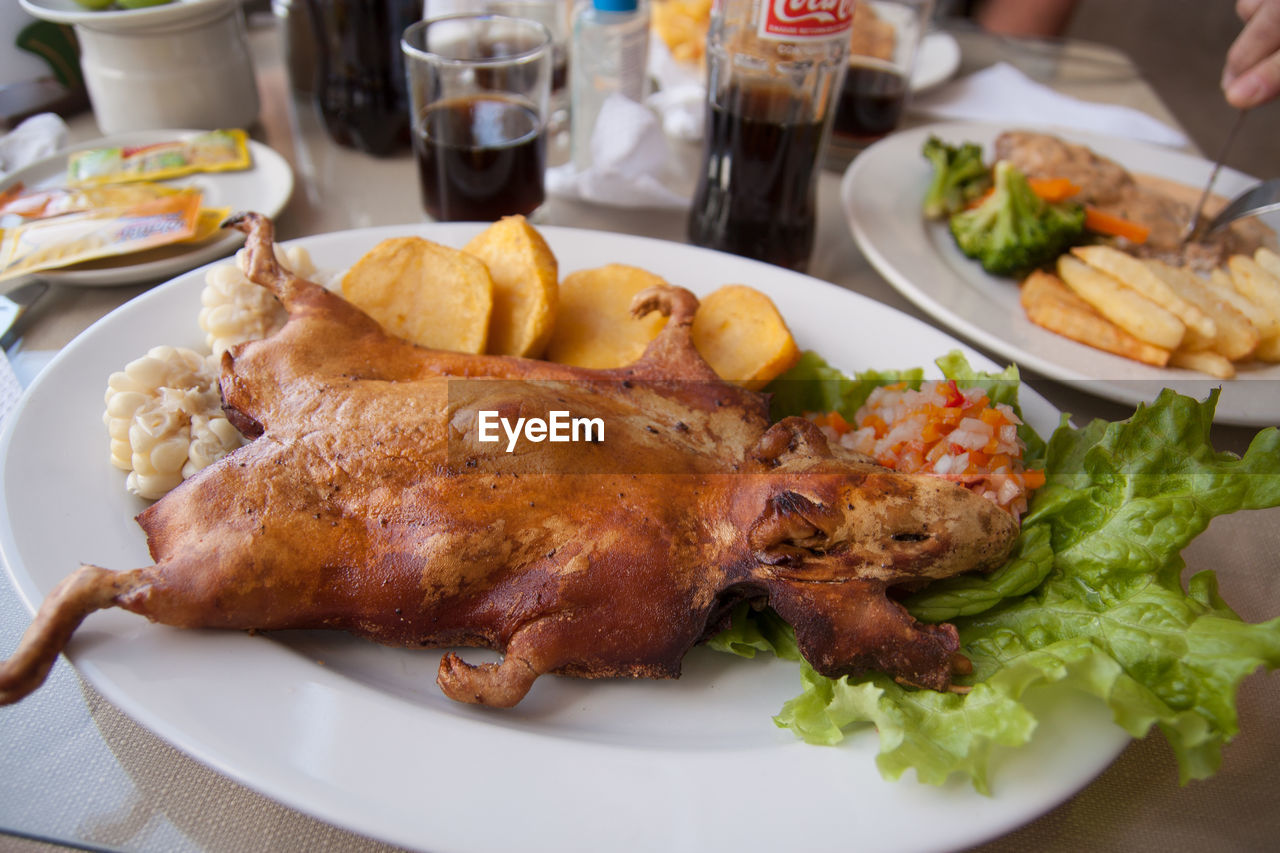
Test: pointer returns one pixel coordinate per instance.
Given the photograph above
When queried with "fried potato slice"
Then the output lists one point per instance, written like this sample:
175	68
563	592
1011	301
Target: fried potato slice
1235	337
1052	305
432	295
1125	307
594	326
1205	361
740	333
525	286
1252	281
1133	273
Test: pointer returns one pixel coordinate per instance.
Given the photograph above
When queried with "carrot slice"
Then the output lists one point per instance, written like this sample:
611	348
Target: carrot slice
1101	222
1053	189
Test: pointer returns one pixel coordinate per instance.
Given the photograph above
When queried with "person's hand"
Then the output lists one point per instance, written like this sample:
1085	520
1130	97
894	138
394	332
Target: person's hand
1251	75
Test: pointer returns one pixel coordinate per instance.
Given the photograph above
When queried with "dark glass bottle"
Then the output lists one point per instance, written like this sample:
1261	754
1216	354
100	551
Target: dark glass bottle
359	83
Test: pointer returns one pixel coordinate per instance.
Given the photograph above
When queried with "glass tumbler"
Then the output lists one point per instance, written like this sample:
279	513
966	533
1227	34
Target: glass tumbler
479	94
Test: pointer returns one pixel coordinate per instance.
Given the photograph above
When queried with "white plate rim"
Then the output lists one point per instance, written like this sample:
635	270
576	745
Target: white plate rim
919	260
302	746
273	182
937	61
121	20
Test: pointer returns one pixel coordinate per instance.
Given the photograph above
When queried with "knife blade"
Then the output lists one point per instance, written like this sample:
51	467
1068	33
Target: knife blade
1196	225
14	306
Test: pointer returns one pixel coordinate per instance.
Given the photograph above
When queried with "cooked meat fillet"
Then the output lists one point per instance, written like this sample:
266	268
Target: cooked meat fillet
1162	206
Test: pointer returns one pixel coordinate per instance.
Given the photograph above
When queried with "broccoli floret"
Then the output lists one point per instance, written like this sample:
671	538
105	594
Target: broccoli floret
1013	230
959	177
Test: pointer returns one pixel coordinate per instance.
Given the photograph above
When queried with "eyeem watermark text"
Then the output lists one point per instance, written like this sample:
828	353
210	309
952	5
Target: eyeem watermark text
559	426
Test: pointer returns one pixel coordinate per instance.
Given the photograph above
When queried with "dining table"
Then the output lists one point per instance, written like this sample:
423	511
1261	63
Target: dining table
77	773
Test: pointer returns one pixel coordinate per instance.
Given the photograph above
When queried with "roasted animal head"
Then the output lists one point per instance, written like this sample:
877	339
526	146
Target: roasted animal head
837	515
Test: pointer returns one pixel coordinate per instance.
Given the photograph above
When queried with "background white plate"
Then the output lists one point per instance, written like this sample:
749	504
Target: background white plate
265	187
882	192
937	60
359	735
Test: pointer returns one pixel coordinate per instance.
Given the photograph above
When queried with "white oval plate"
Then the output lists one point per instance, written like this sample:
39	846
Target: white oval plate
265	187
360	736
882	192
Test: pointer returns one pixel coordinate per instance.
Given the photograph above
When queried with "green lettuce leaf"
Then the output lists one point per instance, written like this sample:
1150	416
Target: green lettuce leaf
812	385
1092	598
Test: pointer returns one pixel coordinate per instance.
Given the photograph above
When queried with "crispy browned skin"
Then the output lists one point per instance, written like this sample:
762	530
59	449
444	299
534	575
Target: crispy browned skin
365	504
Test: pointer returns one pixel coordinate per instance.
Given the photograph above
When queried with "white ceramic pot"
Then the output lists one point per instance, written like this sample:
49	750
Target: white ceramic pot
186	64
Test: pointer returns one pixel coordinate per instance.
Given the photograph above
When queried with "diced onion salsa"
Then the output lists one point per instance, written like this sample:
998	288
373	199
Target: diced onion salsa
943	430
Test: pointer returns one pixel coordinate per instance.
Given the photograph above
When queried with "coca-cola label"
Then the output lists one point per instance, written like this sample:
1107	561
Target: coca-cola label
805	20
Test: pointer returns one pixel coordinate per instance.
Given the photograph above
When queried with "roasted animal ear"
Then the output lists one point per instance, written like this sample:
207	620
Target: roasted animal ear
788	438
791	527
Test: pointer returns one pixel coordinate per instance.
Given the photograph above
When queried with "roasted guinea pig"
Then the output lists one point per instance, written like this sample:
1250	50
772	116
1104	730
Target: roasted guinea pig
366	502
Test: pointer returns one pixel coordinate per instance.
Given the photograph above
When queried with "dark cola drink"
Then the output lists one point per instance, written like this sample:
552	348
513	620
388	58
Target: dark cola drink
755	194
480	158
870	105
773	68
359	80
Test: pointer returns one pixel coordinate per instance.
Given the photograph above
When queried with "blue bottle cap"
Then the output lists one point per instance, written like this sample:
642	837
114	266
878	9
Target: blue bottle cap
615	5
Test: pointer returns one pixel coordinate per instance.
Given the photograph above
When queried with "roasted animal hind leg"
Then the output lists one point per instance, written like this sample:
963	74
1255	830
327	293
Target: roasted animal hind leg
88	589
530	653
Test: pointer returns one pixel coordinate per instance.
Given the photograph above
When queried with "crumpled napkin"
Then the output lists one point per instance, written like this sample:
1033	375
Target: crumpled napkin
681	94
34	139
1002	94
629	156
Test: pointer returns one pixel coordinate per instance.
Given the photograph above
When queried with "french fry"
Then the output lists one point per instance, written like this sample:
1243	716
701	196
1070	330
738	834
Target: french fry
1125	307
1235	336
1052	305
1205	361
1268	349
1268	260
1220	283
1133	273
1260	287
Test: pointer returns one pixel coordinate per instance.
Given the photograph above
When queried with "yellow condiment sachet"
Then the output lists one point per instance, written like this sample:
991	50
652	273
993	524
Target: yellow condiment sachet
64	240
212	151
41	203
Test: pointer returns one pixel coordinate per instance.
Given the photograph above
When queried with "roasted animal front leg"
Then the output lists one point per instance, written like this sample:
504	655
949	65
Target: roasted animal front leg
88	589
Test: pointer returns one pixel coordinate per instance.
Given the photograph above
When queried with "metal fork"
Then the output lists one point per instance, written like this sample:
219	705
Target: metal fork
1262	198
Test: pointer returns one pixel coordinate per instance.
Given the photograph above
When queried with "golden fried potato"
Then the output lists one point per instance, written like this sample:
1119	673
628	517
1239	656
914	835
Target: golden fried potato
1123	306
1205	361
1252	281
1134	274
594	326
1234	336
682	26
525	286
1268	260
1268	348
1052	305
740	333
430	294
1224	288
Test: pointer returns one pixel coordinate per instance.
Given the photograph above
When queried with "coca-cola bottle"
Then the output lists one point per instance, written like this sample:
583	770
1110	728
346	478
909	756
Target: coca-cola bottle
773	74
